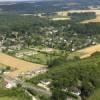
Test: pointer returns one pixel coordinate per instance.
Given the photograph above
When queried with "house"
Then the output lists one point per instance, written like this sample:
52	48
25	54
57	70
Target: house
10	83
73	49
32	73
44	84
75	91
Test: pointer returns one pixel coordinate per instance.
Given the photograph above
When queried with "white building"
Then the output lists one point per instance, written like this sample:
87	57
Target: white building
11	85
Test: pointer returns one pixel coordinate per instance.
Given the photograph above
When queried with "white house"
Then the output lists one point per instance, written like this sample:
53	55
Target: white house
11	85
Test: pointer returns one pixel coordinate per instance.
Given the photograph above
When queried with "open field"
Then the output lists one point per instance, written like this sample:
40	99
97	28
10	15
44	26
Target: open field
65	13
59	18
97	19
2	66
86	52
8	98
17	65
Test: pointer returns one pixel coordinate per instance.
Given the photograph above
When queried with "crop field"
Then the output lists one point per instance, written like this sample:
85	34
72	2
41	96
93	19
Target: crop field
8	98
86	52
59	18
2	66
65	13
18	66
97	12
97	19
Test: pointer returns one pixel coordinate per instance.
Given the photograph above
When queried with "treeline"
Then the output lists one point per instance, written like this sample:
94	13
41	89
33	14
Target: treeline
82	16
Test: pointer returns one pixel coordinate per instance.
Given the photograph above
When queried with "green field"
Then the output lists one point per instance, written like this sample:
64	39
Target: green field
95	95
13	94
8	98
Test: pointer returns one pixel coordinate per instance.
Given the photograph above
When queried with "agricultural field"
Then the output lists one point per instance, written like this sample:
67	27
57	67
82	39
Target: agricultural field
96	11
97	19
38	55
2	66
65	13
50	33
8	98
85	52
18	66
60	18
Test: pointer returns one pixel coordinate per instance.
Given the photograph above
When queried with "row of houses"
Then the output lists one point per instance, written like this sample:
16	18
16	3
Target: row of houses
32	73
27	53
12	82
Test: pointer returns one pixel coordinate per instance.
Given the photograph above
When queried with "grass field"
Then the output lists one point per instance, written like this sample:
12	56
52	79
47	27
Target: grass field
8	98
17	65
95	95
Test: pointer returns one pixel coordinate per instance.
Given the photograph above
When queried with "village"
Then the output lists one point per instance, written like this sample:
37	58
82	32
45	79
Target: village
47	55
